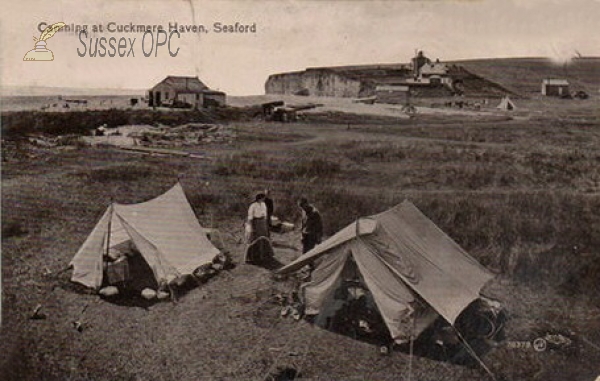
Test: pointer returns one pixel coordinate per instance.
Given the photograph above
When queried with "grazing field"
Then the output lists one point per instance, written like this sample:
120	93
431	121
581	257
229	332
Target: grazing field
525	75
521	194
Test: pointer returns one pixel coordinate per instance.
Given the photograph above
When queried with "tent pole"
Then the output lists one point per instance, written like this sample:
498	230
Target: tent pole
410	353
109	228
473	354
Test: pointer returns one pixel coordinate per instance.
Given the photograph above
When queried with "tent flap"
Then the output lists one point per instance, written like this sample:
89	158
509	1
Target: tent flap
87	262
324	280
391	295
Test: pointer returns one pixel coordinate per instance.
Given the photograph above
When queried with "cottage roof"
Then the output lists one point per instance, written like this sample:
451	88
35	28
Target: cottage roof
184	84
213	92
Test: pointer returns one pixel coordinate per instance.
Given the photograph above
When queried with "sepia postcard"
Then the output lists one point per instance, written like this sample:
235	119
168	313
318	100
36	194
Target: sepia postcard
300	190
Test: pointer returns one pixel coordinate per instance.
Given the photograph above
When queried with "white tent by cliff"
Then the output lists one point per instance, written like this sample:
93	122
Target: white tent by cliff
164	231
506	104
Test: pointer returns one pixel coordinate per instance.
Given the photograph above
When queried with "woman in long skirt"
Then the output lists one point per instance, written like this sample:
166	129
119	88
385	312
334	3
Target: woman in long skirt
258	249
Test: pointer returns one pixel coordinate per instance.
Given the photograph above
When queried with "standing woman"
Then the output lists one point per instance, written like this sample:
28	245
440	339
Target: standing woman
257	218
259	246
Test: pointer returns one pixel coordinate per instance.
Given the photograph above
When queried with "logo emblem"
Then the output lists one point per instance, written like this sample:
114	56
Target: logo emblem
540	344
41	53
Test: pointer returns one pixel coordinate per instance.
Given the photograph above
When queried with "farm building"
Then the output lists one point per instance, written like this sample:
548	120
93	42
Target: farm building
436	73
184	91
392	94
555	87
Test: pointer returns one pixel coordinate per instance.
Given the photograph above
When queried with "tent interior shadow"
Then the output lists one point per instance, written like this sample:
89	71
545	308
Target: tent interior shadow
356	321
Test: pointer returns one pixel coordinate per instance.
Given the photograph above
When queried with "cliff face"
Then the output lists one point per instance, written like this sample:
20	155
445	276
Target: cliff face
319	82
286	83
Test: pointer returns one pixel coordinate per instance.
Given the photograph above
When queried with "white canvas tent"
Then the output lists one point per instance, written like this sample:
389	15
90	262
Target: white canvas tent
506	104
164	230
414	271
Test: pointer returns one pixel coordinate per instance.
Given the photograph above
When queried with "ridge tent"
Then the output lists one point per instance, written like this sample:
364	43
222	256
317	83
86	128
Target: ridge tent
413	270
164	231
506	104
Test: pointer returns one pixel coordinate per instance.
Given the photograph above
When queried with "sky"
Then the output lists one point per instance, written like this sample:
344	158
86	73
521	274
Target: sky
289	35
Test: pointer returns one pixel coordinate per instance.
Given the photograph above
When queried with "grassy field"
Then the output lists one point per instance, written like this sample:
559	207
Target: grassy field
525	75
522	195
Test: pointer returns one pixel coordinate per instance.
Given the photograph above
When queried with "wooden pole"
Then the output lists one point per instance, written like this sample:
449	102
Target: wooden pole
412	342
109	227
